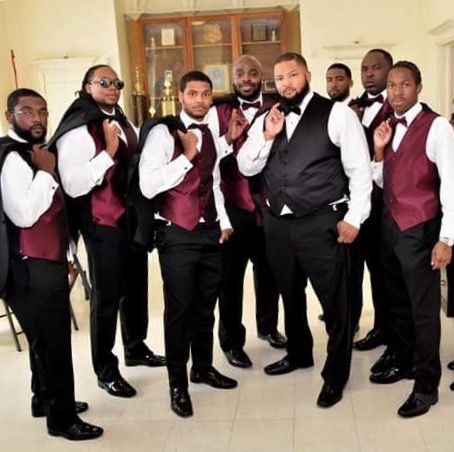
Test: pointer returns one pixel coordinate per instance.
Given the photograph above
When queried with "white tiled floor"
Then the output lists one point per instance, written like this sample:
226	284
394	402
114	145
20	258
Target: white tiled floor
263	414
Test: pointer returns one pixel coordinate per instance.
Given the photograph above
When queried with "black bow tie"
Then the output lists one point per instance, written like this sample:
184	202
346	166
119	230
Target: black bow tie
202	127
394	121
246	105
368	101
293	109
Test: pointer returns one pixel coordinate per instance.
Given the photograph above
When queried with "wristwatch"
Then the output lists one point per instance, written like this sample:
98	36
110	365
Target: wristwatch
447	240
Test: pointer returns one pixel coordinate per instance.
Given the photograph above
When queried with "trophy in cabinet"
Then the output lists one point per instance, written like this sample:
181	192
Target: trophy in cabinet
139	100
169	100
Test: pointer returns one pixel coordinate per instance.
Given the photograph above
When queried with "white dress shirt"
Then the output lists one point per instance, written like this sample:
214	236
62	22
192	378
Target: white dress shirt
250	112
159	173
79	169
346	101
26	196
440	151
344	131
371	111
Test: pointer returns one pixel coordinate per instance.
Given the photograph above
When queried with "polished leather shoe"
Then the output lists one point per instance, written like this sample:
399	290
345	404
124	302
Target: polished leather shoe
285	366
417	404
329	396
321	317
237	357
79	431
373	339
386	360
180	402
450	365
391	375
40	410
118	387
143	356
213	378
275	339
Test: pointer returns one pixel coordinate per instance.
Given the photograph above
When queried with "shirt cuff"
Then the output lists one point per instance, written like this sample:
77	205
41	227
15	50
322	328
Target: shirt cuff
377	173
353	219
224	223
99	165
183	164
46	180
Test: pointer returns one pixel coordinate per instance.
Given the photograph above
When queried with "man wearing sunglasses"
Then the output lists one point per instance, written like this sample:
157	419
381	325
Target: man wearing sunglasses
34	240
95	143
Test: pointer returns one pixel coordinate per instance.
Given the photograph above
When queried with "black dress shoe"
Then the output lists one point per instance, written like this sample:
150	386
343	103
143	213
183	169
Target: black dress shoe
118	387
386	360
213	378
321	317
79	431
275	339
391	375
329	396
450	365
285	366
180	402
418	404
373	339
143	356
238	358
40	410
451	386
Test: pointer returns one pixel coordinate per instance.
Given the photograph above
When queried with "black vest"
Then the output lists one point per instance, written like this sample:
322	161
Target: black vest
306	173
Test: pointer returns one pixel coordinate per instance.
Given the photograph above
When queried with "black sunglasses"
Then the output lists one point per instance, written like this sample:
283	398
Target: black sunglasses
106	83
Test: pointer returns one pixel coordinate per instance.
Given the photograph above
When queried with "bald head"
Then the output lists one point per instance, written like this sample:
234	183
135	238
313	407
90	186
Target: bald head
247	77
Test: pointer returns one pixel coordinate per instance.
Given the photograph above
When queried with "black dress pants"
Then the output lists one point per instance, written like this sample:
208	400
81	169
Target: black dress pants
247	243
366	250
413	294
450	278
191	268
39	298
119	278
306	248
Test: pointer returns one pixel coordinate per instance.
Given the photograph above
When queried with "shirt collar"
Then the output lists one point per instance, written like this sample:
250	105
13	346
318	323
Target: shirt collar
258	99
304	103
187	120
411	113
384	93
12	134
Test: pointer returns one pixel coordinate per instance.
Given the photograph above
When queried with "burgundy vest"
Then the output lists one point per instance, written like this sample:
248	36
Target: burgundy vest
193	197
410	179
234	185
48	237
108	200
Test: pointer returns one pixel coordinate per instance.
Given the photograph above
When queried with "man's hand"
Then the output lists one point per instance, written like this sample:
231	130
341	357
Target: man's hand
189	141
42	158
225	235
347	232
441	255
237	125
382	136
111	136
274	122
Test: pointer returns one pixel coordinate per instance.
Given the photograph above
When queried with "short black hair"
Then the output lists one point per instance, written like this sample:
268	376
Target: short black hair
412	68
388	57
13	98
452	116
194	76
291	56
343	67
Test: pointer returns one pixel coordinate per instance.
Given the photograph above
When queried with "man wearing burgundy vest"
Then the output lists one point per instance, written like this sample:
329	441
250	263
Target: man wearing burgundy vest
35	247
414	163
450	278
179	165
244	207
372	107
95	143
315	161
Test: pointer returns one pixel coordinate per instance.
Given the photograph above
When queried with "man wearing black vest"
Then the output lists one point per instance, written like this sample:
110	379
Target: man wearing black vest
244	208
314	157
414	163
372	107
34	246
95	143
179	165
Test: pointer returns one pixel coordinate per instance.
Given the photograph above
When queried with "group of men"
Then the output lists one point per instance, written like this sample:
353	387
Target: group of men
306	188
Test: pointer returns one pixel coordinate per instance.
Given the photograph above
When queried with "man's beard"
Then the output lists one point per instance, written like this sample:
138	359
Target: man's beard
294	101
251	97
27	134
340	97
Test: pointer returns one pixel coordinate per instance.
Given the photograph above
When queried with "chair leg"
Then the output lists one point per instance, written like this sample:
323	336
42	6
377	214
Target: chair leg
83	275
14	332
73	317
